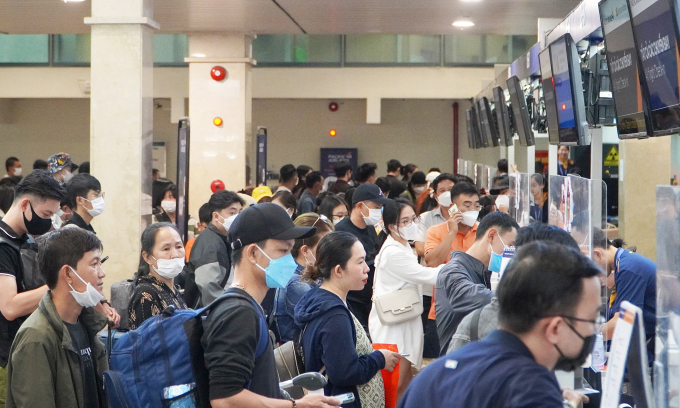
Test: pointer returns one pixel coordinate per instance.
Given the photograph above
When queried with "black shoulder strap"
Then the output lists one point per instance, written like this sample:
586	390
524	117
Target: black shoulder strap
6	241
474	325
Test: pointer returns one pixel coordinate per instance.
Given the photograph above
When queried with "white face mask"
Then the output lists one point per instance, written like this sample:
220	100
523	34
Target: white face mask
67	176
226	222
98	206
470	218
90	298
419	190
409	233
17	172
444	199
169	206
374	215
168	268
502	200
335	222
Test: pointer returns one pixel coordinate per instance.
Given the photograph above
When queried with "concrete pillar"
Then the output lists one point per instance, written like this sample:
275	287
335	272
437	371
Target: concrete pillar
121	126
219	152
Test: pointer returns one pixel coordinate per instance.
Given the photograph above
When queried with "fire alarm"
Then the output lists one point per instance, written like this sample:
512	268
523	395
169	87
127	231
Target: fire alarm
217	185
333	106
218	73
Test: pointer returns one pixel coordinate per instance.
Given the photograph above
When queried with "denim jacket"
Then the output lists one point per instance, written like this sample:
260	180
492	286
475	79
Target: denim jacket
284	307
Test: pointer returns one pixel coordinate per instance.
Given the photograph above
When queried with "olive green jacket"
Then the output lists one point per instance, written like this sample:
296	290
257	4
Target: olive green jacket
44	368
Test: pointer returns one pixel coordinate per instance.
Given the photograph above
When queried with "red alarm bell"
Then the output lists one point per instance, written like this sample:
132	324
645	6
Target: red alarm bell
217	185
333	106
218	73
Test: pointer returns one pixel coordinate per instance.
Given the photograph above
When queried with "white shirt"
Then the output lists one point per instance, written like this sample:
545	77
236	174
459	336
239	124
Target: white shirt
283	188
427	220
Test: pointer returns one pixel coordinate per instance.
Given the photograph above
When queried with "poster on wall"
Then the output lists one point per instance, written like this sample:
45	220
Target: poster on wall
330	156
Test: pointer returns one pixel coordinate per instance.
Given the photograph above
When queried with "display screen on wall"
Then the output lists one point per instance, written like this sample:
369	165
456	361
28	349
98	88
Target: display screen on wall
520	112
331	156
502	117
656	43
470	129
549	96
623	69
488	122
483	135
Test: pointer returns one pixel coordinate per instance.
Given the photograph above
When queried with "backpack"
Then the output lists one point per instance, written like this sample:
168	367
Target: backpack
164	351
121	293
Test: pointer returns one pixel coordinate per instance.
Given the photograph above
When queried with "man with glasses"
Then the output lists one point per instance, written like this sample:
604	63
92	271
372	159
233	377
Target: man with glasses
549	314
463	285
86	199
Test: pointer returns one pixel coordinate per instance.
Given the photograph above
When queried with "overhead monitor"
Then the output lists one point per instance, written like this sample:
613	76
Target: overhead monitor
521	114
488	122
549	96
502	117
655	33
470	129
571	106
482	138
624	70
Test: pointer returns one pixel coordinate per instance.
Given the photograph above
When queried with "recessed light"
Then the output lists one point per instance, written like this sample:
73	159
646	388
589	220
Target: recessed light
198	55
463	23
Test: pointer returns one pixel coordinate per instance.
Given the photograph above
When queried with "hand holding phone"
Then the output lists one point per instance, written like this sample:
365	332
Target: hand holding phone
345	398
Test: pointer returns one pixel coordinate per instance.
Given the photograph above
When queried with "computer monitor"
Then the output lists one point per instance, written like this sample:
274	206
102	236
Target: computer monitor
549	96
470	129
599	98
571	107
488	122
521	114
482	138
502	117
656	38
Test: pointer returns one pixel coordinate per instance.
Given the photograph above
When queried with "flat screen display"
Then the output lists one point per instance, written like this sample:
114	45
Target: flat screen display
483	138
549	96
488	123
520	112
656	43
502	117
470	129
623	69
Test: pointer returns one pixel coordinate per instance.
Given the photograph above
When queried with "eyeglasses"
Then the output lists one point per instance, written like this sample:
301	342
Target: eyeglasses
407	223
339	216
470	207
597	323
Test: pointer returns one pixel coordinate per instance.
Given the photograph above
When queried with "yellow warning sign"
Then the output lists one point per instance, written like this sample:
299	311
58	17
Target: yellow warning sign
612	158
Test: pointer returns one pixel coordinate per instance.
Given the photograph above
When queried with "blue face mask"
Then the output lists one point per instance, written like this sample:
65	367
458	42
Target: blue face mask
496	259
279	271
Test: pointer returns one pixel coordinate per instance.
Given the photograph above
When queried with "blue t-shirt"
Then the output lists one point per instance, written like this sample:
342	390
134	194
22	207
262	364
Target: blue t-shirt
498	372
636	283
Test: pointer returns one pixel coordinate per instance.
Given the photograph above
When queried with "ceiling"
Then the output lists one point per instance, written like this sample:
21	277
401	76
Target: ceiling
313	16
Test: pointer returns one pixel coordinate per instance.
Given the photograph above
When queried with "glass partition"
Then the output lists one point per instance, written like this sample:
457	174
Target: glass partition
24	49
71	49
520	198
170	49
481	49
302	49
479	175
381	49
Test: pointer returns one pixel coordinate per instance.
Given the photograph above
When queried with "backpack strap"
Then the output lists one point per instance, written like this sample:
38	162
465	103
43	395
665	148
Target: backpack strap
5	241
474	325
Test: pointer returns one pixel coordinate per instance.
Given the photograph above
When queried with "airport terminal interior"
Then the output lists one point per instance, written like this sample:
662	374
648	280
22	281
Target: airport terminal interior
358	203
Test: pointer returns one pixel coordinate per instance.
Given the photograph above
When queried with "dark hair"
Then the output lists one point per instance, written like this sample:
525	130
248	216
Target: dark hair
158	189
148	242
287	173
302	170
223	199
391	214
409	168
84	168
204	214
322	226
348	197
41	184
79	186
40	165
542	232
538	178
9	163
160	193
440	178
393	165
237	254
329	203
286	197
503	165
487	202
419	178
65	246
334	249
341	168
434	169
154	172
383	184
463	188
313	178
365	171
460	177
600	240
499	220
543	279
6	197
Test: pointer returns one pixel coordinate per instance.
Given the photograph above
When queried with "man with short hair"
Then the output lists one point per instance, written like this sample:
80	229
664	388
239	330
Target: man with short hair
239	377
396	186
36	199
61	167
366	213
40	165
13	167
463	285
502	168
549	315
209	268
314	182
343	171
302	171
366	173
288	178
441	187
57	359
86	200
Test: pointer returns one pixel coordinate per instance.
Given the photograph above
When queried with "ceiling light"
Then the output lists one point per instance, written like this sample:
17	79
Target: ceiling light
463	23
198	55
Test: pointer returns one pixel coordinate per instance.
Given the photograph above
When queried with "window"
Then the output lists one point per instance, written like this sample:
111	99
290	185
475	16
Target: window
385	49
24	49
170	49
313	50
71	49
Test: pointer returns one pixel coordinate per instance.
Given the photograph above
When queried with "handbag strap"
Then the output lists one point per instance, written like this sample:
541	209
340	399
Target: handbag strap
377	262
474	325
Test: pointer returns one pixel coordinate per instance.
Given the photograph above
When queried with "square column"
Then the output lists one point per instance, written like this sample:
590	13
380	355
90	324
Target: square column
121	126
219	151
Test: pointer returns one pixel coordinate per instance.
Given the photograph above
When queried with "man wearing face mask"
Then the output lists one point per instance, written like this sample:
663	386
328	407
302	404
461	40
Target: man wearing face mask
209	268
463	285
366	213
261	240
13	167
85	199
549	302
57	350
441	189
61	167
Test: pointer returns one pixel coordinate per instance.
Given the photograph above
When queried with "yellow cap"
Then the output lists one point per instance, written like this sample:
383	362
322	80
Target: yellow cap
262	191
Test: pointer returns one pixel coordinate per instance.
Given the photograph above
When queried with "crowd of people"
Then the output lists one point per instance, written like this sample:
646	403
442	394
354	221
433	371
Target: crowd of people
336	268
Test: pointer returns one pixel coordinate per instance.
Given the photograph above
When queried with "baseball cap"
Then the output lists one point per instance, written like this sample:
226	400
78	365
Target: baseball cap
249	200
58	161
369	192
265	221
501	184
262	191
431	176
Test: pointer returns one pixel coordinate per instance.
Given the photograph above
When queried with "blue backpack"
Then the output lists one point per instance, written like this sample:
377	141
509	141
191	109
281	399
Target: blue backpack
165	351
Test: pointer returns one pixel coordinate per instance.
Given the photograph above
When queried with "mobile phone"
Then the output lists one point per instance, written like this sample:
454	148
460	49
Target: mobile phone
345	398
404	354
453	210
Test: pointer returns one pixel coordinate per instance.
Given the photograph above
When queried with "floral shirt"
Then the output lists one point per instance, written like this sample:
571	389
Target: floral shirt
151	297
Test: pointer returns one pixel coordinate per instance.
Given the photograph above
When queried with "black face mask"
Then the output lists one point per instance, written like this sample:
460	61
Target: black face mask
37	225
565	363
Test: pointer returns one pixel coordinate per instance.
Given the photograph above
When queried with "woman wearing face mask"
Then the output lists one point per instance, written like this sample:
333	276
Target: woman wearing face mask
162	259
165	204
304	252
333	340
416	185
334	208
397	268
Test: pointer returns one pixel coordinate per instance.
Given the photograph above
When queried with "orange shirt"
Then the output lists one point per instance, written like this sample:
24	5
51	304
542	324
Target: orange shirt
187	248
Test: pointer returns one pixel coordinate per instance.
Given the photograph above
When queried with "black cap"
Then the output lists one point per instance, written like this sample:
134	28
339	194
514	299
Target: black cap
265	221
369	192
502	183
